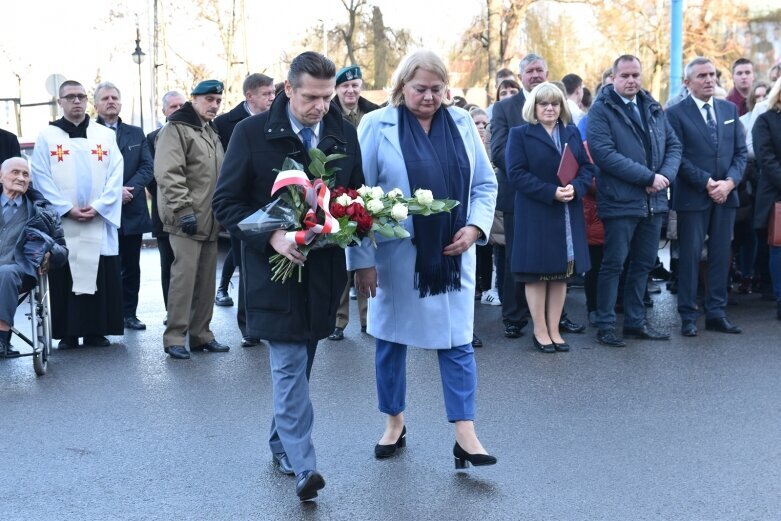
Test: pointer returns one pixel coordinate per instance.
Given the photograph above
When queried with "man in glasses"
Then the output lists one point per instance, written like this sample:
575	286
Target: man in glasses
258	95
78	167
638	156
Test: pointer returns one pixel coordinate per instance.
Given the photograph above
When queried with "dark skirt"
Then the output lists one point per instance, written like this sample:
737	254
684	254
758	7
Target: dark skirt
88	315
525	278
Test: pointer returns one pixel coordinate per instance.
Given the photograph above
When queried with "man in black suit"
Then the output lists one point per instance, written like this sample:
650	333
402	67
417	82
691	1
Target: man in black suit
507	114
172	101
9	145
139	170
258	95
714	158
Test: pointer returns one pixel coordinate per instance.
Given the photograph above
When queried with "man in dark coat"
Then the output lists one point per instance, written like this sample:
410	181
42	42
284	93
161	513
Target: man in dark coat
139	171
172	101
353	106
507	114
9	145
714	158
293	316
258	96
638	155
20	207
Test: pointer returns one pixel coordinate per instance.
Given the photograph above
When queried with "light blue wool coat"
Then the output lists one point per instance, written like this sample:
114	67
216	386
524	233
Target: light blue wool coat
397	313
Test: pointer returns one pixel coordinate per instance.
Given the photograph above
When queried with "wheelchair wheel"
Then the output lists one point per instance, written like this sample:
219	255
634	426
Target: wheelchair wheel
42	325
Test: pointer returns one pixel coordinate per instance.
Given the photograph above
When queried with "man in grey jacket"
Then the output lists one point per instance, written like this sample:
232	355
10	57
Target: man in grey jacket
638	155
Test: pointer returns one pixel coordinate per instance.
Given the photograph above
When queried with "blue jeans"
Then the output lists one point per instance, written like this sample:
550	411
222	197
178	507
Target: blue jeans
637	238
775	270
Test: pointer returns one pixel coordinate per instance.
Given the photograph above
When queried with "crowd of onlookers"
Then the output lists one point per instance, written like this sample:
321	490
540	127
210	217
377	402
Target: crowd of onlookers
750	258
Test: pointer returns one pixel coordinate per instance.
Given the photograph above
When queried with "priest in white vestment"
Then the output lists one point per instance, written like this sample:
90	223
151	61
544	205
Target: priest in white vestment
78	167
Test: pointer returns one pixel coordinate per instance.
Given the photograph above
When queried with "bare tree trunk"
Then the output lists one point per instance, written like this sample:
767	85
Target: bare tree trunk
494	13
380	49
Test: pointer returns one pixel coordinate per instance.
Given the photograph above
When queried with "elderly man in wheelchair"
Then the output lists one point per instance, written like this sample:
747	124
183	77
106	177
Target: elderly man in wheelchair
31	241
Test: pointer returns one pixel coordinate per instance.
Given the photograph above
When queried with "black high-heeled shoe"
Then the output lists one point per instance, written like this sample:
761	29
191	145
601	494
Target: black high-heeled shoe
463	458
386	451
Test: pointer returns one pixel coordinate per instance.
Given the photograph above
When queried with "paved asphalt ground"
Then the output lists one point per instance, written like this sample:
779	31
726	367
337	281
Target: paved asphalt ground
688	429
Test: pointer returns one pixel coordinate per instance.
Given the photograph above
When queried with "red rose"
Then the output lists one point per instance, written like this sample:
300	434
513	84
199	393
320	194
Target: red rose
336	192
337	210
353	194
361	217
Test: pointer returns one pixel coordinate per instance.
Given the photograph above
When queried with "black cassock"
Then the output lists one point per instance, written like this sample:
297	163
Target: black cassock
88	315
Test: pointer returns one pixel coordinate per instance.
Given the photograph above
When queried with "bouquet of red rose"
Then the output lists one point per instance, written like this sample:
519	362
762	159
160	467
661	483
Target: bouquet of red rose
316	214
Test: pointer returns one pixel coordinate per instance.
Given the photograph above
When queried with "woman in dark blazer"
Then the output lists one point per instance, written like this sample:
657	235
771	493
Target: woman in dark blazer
550	234
767	149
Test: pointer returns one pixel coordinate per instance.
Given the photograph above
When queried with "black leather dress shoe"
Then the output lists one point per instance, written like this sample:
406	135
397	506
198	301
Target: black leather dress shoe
69	342
178	352
309	482
513	329
608	337
249	341
569	326
562	347
689	328
338	334
7	350
545	348
96	341
134	323
476	342
212	347
722	325
282	463
223	298
645	333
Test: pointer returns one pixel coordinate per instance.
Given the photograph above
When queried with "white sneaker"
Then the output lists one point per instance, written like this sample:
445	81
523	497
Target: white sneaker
490	298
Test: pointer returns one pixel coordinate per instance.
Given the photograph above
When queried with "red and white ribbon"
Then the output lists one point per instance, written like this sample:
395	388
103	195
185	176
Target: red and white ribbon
316	195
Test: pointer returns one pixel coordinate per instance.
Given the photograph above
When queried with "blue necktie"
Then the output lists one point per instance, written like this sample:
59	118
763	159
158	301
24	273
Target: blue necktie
636	113
307	135
9	209
714	136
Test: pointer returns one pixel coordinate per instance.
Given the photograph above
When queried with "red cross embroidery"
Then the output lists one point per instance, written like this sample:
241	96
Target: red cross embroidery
100	152
60	153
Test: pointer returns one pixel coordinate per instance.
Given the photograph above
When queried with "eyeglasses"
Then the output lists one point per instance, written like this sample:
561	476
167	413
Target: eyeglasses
70	98
554	104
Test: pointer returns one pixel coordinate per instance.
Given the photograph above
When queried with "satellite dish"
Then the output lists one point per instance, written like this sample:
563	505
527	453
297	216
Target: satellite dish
53	83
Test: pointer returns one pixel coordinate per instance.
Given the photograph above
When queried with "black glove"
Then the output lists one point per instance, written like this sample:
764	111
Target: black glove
189	224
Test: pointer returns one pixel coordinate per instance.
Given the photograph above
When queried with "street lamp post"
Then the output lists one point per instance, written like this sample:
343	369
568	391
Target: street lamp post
138	57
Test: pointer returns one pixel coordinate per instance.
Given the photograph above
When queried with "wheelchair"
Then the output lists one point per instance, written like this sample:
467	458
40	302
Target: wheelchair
39	315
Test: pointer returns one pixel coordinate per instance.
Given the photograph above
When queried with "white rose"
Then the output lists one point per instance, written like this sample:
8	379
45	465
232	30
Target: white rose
424	197
359	200
344	200
374	206
377	192
395	193
363	190
399	212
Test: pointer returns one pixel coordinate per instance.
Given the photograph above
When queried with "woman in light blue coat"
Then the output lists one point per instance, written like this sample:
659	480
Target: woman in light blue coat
424	286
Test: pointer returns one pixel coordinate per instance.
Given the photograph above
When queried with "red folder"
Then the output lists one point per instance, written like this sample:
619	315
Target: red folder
568	168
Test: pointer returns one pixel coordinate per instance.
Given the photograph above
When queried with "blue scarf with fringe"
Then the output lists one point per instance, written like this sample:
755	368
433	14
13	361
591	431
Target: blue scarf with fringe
436	162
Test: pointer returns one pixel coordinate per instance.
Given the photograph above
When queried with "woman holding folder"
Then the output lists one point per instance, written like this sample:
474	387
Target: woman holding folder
550	172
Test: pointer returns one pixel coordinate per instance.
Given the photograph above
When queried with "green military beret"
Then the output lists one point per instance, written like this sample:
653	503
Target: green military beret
353	72
208	87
